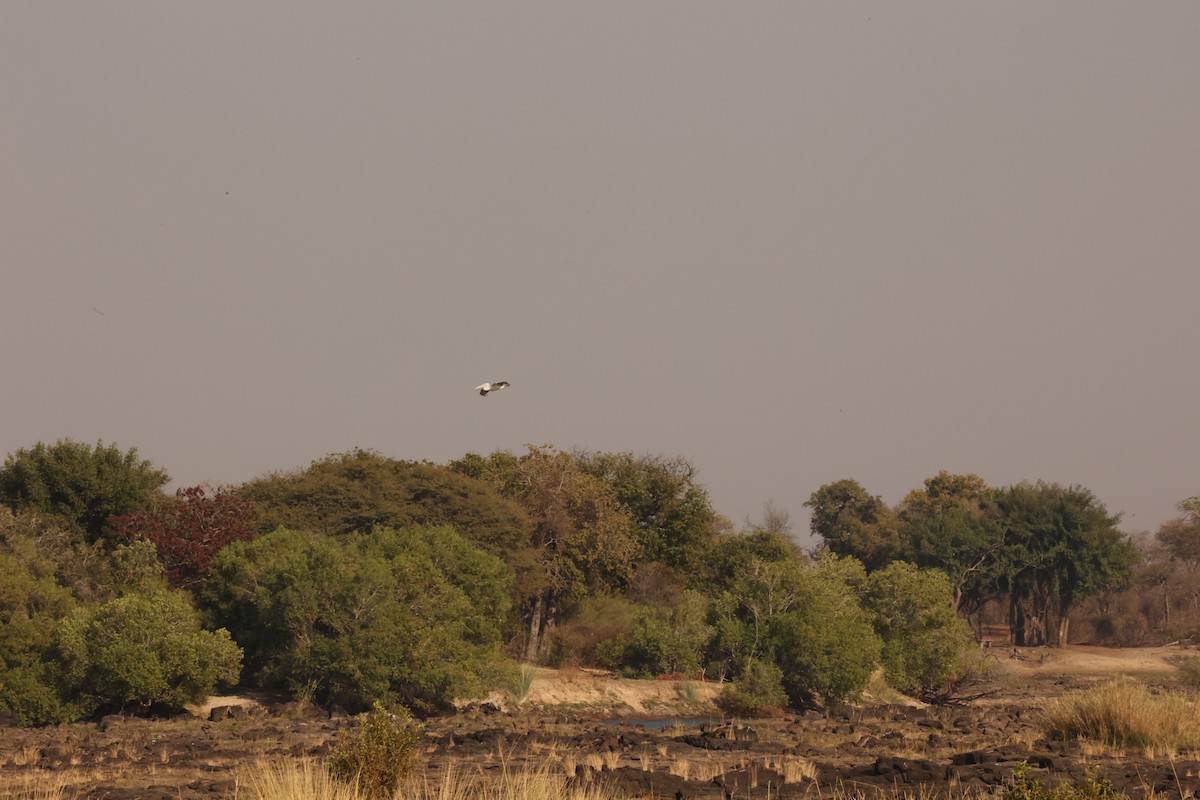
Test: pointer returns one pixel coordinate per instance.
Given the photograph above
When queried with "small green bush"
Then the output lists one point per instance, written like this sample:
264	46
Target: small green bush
1023	787
379	754
757	692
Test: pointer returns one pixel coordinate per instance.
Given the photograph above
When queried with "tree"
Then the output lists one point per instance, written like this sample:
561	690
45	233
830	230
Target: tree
144	649
1061	547
852	522
948	525
582	537
762	574
189	531
1181	535
32	601
81	484
670	513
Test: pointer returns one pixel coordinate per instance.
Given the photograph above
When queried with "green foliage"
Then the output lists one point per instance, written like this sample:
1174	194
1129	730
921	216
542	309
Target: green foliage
397	616
949	525
597	619
757	692
825	644
80	484
762	575
852	522
145	649
663	641
361	490
1060	547
37	557
1024	787
583	540
671	515
379	754
926	647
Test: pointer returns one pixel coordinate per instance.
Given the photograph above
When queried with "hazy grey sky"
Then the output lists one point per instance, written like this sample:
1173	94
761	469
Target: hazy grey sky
794	242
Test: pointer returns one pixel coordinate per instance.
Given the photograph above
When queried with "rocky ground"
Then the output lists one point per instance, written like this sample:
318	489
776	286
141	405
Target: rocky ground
884	746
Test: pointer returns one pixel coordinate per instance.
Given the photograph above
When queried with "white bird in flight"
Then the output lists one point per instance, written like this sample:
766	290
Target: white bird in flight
495	386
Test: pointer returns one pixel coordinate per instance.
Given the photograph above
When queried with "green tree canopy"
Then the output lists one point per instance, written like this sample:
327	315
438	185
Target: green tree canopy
671	515
1061	546
852	522
360	490
825	644
582	536
950	525
81	484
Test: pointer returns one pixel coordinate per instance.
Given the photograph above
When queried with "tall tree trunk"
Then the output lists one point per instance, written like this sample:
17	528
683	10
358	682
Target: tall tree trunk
533	644
1064	622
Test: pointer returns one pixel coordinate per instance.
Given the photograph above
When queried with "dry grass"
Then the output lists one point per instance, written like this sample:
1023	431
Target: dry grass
307	780
38	785
1125	715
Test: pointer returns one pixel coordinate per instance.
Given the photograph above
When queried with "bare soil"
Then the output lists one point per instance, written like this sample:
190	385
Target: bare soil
597	727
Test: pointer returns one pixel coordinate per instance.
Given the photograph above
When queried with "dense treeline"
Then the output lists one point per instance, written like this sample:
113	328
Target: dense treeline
363	578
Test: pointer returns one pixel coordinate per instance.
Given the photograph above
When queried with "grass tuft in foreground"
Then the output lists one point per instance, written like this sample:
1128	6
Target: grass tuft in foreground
306	780
1124	714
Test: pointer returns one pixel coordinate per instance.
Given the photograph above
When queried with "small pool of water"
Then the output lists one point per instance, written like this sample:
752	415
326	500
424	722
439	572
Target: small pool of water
666	722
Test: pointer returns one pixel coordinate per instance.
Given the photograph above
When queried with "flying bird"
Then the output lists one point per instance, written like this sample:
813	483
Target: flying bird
494	386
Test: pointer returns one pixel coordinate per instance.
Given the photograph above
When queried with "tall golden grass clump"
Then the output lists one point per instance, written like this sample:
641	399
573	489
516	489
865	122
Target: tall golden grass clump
1124	714
306	780
37	785
300	779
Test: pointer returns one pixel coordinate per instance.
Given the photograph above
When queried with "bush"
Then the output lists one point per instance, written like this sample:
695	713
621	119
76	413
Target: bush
926	648
81	484
379	754
757	692
1023	787
362	618
826	645
146	649
664	641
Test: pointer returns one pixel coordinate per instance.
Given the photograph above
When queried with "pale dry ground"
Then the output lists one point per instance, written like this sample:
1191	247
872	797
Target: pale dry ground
584	690
1084	661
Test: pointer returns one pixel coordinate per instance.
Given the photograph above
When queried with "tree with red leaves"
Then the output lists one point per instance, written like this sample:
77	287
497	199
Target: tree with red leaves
189	531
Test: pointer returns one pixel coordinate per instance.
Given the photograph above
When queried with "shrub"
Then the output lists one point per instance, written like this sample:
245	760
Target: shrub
926	647
664	641
826	645
1124	714
379	754
143	648
362	618
758	692
1023	787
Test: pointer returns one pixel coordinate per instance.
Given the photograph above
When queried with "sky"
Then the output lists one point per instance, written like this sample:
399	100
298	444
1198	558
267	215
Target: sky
792	242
